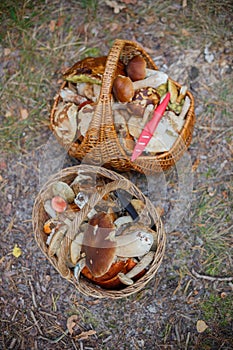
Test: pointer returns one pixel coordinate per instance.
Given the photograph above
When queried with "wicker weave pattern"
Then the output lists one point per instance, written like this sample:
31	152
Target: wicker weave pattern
101	145
117	181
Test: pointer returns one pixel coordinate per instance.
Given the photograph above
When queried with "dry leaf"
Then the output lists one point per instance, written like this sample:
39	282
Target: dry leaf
185	32
201	326
85	335
52	25
16	251
23	113
71	323
7	51
114	4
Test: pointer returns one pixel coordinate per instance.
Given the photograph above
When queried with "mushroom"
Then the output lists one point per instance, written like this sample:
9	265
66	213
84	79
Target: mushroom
55	240
58	204
49	210
182	94
69	95
185	108
63	190
122	220
173	91
99	244
154	80
65	121
141	265
85	116
75	248
141	99
136	242
50	225
123	89
136	68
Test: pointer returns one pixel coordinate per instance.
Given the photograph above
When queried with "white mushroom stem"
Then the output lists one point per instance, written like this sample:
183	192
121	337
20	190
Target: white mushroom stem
155	80
78	268
143	263
185	107
75	248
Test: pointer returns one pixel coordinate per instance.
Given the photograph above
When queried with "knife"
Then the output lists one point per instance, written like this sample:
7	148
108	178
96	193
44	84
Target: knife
150	127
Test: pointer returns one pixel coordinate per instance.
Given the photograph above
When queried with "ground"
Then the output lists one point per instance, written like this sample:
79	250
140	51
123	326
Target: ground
188	304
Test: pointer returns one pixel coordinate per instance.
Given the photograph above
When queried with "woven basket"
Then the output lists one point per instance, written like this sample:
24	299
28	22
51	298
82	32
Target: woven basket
101	145
115	181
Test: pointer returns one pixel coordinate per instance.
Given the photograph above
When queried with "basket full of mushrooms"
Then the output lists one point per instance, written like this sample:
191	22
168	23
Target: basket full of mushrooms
121	112
99	231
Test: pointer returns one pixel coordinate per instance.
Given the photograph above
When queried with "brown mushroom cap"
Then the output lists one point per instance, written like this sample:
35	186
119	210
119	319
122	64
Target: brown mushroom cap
123	89
136	68
98	244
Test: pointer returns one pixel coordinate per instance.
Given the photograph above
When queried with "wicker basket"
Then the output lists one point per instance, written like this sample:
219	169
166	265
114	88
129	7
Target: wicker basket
114	181
101	145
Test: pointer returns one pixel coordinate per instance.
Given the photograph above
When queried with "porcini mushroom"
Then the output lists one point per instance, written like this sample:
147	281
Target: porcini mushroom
99	244
123	89
136	68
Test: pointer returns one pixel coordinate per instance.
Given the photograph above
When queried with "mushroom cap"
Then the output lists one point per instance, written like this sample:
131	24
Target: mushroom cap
123	88
136	68
99	244
58	204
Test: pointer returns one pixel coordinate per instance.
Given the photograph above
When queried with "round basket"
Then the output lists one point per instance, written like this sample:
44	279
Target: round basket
101	144
114	182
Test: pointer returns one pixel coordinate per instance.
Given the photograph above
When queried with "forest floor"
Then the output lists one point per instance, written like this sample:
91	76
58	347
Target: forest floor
188	304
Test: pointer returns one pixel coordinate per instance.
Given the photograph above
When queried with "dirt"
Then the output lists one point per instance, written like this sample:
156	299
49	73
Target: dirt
194	282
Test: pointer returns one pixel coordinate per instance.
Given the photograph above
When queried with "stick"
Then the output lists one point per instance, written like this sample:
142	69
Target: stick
211	278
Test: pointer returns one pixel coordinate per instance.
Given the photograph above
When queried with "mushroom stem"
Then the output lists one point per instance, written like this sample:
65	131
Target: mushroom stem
141	265
154	80
78	268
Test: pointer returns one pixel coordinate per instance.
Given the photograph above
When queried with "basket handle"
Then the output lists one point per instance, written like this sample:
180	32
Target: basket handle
110	69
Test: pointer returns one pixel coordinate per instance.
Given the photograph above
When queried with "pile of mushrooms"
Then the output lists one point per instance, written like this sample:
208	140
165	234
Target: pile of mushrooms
116	242
136	93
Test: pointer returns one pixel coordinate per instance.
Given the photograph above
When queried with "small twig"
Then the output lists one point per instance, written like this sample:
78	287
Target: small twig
211	278
55	340
187	341
33	294
36	322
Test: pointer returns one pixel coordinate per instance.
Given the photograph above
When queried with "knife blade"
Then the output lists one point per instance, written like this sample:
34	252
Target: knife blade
149	129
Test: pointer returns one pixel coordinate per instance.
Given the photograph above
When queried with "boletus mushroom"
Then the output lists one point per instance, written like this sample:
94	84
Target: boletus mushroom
123	89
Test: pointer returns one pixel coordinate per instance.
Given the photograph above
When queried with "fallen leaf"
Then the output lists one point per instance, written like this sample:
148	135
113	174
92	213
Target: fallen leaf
201	326
60	21
52	25
7	51
16	251
85	335
7	209
71	322
116	7
185	32
23	113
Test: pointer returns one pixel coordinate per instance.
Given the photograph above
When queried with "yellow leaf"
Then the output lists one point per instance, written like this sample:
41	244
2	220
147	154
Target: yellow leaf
16	251
201	326
71	322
